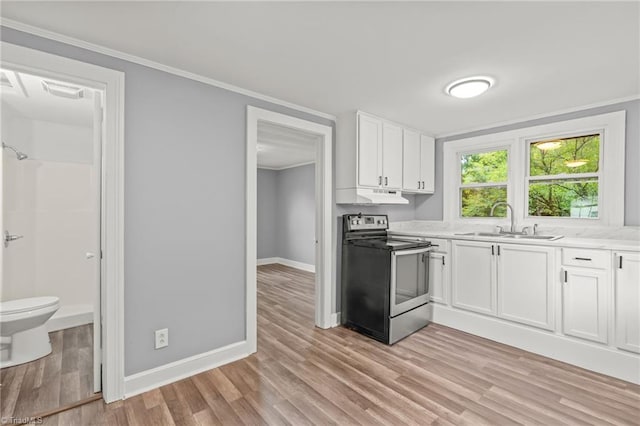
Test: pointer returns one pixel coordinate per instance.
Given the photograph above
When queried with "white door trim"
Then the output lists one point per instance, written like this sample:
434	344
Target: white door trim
325	280
111	82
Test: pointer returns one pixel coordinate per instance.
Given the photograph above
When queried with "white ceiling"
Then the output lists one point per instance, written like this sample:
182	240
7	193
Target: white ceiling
28	98
392	59
280	147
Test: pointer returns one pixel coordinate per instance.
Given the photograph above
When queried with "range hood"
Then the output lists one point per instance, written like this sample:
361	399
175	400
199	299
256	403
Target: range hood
369	196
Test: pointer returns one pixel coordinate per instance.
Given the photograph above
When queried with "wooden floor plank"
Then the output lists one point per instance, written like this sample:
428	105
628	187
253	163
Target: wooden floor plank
303	375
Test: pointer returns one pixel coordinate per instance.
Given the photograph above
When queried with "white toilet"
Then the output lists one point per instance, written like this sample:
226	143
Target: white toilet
23	335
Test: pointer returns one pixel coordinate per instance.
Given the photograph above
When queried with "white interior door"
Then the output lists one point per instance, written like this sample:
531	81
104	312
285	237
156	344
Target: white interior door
95	253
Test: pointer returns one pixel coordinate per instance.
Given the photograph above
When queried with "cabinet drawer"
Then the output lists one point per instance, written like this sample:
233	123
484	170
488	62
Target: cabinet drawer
600	259
443	245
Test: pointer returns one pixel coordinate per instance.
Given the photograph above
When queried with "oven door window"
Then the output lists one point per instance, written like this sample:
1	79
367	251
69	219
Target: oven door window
409	280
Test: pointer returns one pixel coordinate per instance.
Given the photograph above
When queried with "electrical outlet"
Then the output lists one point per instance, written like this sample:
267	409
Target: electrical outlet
162	338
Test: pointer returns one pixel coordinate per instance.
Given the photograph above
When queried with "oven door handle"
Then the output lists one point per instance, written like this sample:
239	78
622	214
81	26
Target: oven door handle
411	251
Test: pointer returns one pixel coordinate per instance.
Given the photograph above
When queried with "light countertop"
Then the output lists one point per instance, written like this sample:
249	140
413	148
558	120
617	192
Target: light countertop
622	238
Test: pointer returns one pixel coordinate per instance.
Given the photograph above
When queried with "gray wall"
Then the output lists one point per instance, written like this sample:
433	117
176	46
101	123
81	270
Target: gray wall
286	214
267	213
184	214
430	207
296	214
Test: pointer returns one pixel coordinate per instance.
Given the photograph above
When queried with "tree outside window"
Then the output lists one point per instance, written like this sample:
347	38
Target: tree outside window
563	177
484	177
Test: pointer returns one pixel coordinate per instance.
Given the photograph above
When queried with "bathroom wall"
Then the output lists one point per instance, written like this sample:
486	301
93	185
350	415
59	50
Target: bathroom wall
51	199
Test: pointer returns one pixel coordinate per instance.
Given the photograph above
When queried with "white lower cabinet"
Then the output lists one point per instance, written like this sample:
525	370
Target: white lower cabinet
511	281
439	276
584	303
627	301
525	284
473	276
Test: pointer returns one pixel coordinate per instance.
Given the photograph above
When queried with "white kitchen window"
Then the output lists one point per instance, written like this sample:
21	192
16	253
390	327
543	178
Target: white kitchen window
565	173
483	182
563	176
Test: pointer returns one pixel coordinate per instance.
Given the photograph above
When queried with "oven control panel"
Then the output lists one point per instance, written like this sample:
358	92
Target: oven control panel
361	222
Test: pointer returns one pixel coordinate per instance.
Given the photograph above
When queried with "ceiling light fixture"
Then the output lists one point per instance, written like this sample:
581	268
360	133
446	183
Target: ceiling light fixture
469	87
575	163
549	145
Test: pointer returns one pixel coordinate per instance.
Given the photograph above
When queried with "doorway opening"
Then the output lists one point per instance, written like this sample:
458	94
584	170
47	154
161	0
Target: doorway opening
303	141
51	204
286	228
61	193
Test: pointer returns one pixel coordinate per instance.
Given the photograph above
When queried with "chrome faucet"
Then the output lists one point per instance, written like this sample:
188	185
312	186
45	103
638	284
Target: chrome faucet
513	226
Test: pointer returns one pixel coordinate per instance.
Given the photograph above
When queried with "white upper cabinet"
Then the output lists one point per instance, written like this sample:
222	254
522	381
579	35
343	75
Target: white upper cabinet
427	163
411	178
369	152
391	156
418	161
371	158
627	301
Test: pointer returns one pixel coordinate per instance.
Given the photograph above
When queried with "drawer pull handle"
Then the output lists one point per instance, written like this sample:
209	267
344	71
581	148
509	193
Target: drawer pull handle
588	259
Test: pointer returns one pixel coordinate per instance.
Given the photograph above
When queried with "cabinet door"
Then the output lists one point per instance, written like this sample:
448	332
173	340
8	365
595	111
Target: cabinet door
473	283
438	264
427	163
627	297
369	155
411	178
525	284
392	156
584	304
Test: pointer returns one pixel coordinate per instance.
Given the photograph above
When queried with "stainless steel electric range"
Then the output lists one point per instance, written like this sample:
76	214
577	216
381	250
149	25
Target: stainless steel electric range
385	280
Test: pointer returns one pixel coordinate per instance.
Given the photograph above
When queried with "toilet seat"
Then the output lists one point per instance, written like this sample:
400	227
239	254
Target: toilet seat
27	305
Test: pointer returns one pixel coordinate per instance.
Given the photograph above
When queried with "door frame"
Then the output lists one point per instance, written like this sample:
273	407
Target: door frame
111	83
325	272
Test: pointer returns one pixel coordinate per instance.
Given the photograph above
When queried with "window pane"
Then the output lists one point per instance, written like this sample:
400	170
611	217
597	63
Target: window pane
564	198
484	167
477	202
568	155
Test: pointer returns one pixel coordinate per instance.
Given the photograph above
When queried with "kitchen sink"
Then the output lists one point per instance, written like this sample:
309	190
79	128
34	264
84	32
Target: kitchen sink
536	237
510	235
483	234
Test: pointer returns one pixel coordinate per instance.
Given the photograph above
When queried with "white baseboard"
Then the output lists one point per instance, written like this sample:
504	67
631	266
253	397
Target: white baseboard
594	357
335	319
69	317
287	262
178	370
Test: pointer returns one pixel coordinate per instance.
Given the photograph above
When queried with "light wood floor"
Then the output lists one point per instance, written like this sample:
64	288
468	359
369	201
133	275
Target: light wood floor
62	377
302	375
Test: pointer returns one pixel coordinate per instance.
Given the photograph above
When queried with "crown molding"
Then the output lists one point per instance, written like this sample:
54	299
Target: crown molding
51	35
539	116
